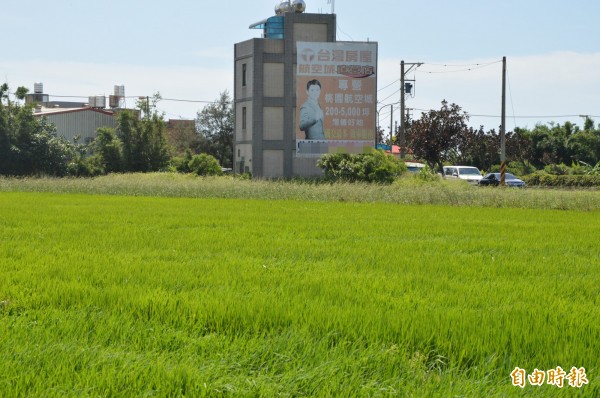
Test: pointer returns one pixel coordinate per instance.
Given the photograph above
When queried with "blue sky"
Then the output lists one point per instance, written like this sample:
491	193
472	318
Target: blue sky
184	50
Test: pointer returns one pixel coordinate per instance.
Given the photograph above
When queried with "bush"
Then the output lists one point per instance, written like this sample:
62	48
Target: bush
516	168
426	174
205	165
543	179
557	169
90	166
375	167
181	164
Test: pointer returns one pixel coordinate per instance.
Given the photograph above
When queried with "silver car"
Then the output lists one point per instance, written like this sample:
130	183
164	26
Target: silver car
510	180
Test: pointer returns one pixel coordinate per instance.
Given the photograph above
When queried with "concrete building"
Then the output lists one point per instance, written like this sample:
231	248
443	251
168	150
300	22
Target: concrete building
267	130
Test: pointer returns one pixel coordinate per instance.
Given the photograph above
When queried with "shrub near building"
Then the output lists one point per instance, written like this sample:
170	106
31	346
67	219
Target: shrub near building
205	165
368	167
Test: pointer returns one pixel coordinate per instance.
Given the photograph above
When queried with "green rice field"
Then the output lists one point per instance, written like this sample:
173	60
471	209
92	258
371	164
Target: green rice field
110	295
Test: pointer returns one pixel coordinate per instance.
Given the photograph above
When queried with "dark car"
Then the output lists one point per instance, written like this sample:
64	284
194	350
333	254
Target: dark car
494	179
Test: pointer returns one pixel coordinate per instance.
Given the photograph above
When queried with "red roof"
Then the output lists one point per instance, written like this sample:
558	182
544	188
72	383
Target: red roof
396	150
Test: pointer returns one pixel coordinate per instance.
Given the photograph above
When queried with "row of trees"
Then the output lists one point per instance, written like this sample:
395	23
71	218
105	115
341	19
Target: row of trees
442	136
29	145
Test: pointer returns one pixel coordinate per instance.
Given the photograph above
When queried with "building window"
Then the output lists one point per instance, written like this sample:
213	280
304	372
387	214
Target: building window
243	75
244	118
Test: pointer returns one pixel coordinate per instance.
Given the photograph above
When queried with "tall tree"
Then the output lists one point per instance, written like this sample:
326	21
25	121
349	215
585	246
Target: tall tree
435	137
214	124
109	149
144	143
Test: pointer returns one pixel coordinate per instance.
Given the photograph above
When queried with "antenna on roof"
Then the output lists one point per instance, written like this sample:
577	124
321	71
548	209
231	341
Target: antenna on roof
332	2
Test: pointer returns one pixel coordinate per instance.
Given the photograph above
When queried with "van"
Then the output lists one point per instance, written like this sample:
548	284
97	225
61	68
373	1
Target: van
467	173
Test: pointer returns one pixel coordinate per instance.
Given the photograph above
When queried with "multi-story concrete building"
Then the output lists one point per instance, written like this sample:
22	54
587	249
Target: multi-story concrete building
265	95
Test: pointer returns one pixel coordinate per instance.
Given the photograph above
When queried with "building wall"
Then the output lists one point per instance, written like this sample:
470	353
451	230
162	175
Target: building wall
243	158
82	124
268	142
272	163
273	79
243	133
273	123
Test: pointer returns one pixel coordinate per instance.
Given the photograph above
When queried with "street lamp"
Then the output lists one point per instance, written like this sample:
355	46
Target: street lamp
391	122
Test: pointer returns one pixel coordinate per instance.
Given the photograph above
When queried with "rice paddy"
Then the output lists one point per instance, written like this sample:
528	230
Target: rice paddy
111	295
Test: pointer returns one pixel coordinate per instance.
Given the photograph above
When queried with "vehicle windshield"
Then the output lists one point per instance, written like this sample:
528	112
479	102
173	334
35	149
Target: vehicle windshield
507	176
471	171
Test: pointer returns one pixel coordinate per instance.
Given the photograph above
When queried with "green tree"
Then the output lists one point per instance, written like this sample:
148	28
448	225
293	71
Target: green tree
585	146
205	165
21	92
5	132
436	136
109	149
29	145
214	123
144	143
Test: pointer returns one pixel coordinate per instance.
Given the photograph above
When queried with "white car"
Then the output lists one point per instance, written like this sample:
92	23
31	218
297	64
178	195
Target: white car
467	173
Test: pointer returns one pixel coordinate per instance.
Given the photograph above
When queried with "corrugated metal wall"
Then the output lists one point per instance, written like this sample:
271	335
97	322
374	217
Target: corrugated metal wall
81	123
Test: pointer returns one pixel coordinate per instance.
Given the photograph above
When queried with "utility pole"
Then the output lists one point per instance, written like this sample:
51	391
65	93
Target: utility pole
391	127
402	140
503	127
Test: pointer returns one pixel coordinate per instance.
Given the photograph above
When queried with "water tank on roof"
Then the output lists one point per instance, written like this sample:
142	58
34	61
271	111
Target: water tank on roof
97	101
100	101
38	88
298	6
113	101
290	6
119	91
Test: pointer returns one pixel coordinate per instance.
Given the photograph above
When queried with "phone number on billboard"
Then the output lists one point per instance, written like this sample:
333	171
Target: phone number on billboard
345	111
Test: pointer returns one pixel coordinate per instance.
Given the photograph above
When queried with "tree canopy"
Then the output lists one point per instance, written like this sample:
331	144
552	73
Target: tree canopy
435	137
442	136
214	124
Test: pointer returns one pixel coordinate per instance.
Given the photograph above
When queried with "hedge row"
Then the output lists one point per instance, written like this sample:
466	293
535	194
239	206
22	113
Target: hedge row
548	180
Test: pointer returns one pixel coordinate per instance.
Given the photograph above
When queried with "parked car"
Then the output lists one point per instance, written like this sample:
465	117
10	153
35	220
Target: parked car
509	180
467	173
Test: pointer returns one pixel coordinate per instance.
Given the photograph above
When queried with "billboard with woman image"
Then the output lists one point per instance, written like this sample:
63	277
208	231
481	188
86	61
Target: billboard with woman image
336	96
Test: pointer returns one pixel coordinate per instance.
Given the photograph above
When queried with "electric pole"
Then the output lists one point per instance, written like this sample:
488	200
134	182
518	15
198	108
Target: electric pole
402	138
503	127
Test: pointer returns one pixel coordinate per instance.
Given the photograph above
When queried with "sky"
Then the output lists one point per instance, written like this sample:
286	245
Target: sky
183	49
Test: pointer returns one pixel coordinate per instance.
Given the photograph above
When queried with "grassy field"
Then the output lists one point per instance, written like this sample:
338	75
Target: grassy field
111	295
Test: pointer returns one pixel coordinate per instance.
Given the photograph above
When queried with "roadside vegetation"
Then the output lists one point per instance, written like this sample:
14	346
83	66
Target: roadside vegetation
418	189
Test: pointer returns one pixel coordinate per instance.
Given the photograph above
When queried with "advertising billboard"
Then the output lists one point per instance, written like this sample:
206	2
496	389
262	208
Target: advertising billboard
336	96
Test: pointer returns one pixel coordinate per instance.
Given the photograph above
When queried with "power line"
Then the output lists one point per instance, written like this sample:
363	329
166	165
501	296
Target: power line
517	117
392	94
467	67
134	96
464	65
383	88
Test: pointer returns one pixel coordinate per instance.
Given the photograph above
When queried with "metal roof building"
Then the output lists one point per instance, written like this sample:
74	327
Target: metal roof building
77	122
